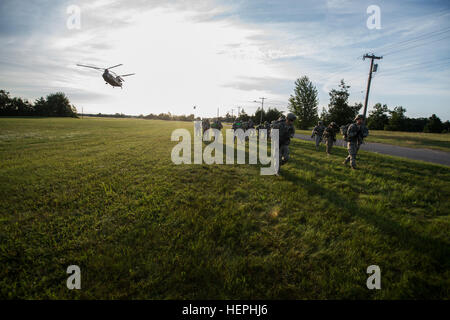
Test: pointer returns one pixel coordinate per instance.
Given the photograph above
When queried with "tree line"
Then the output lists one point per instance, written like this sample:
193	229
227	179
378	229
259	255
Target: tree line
381	118
304	104
54	105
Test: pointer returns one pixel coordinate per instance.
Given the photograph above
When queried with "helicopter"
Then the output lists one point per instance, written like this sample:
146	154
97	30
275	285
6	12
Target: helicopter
110	77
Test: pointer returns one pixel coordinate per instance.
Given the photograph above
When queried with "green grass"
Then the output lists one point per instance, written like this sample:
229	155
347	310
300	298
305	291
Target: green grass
436	141
103	194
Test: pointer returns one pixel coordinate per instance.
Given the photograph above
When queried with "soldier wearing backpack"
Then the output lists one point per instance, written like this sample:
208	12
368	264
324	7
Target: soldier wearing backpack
216	125
286	132
205	126
329	135
354	136
317	133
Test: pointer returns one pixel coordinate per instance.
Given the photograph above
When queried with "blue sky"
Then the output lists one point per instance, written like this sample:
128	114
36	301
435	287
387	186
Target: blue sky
226	54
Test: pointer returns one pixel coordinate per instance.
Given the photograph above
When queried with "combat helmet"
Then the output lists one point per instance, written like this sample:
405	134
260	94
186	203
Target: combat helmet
359	116
319	123
291	116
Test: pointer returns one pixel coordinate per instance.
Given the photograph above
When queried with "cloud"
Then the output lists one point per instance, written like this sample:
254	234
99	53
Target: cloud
210	53
273	86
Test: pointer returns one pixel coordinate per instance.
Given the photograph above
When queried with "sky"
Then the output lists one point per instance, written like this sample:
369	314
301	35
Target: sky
221	55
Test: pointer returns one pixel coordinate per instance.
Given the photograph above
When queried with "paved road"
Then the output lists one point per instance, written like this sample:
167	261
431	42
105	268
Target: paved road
435	156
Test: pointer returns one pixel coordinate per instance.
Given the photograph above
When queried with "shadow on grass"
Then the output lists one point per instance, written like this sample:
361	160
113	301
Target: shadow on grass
405	238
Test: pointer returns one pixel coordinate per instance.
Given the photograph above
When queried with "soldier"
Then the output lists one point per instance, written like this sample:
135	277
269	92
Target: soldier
286	132
317	133
234	126
237	124
263	126
258	127
329	134
267	127
217	125
205	125
356	132
250	125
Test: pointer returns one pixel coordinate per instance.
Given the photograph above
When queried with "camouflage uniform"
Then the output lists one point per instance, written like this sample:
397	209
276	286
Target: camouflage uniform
329	134
267	127
205	125
217	125
237	125
317	133
286	132
355	135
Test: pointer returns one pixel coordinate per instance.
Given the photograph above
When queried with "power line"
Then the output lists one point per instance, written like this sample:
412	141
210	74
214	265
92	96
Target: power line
415	46
409	65
415	39
423	67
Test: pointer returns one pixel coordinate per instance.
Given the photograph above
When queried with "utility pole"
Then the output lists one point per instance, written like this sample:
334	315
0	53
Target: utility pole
81	112
239	108
371	57
262	108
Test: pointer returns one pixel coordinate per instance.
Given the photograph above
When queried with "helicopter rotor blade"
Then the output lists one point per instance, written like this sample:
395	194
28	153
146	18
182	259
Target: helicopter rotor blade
126	75
82	65
114	66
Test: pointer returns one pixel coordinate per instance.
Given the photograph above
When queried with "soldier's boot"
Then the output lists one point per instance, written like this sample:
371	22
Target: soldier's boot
354	167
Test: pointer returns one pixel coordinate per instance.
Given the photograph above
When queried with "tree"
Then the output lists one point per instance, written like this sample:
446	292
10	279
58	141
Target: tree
228	117
257	117
40	107
397	121
324	114
378	117
415	124
272	114
22	107
304	103
446	126
243	116
58	105
434	125
338	109
5	103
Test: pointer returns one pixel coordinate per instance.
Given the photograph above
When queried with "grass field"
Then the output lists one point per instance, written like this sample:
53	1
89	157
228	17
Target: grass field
434	141
103	194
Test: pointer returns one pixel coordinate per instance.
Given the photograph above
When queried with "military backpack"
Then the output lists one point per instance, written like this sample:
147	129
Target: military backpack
344	130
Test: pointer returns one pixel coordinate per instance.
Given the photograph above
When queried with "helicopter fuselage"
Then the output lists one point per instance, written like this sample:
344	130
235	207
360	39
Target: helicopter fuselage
112	80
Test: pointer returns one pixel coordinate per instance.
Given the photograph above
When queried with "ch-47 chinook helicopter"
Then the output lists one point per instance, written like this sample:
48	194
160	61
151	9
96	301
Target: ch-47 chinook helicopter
109	76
